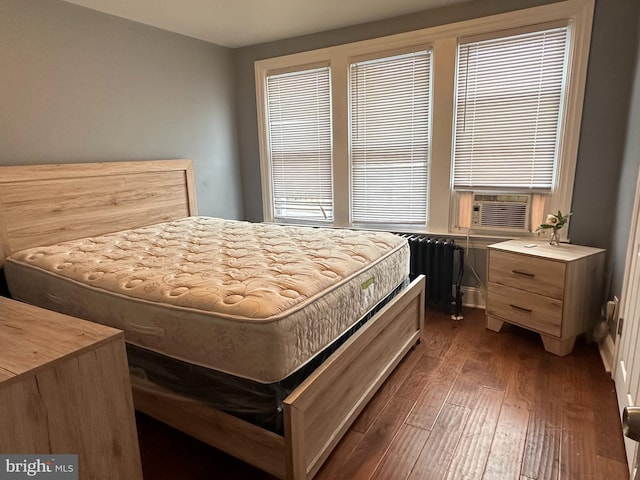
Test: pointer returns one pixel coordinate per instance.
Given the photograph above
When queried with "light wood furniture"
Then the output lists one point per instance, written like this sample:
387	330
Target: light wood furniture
553	290
65	389
316	414
47	204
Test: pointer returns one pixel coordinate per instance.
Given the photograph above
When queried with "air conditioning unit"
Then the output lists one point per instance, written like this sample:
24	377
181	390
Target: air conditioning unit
501	211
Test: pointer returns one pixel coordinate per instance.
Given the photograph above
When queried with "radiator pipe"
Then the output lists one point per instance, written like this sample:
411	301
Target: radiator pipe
457	315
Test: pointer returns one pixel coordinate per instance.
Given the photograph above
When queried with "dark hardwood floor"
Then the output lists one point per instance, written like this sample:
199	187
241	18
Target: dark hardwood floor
466	403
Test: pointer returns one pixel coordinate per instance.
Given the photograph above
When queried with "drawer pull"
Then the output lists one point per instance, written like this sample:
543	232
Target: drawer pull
521	272
522	309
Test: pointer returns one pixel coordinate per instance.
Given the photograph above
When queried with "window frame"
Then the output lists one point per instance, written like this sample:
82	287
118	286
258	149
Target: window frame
269	137
443	41
381	56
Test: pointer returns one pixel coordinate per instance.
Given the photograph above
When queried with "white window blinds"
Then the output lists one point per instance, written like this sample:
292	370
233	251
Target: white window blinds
299	136
390	108
509	97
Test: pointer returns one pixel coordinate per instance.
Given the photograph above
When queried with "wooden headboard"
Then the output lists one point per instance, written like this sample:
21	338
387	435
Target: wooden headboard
46	204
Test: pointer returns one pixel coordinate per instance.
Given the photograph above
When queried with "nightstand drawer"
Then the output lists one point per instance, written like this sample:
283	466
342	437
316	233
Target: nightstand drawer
537	275
529	310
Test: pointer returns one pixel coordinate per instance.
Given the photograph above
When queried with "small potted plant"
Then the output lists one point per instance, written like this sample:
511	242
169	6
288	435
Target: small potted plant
555	223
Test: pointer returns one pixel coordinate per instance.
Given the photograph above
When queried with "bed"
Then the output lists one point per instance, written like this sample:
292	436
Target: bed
86	207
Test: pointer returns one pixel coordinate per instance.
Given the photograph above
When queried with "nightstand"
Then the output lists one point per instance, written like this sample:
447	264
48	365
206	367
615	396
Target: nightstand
553	290
65	389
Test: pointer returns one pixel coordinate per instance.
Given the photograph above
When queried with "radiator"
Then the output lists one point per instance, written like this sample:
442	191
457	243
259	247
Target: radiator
435	259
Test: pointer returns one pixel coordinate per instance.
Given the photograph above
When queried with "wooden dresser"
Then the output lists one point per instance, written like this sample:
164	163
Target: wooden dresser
65	389
553	290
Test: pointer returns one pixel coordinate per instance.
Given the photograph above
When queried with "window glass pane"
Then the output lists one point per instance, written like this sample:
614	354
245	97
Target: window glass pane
390	105
509	100
299	135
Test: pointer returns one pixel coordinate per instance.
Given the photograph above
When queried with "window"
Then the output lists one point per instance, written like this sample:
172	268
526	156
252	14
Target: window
299	125
509	99
509	103
390	113
490	104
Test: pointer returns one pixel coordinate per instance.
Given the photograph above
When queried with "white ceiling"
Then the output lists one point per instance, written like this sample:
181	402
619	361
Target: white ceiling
236	23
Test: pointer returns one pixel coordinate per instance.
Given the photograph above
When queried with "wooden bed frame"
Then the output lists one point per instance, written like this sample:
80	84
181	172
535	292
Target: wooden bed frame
41	205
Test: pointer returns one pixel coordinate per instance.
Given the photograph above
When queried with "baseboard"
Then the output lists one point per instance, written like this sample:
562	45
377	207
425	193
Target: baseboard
473	297
607	352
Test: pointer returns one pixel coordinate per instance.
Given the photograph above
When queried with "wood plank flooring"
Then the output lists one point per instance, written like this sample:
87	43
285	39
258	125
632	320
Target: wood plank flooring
466	403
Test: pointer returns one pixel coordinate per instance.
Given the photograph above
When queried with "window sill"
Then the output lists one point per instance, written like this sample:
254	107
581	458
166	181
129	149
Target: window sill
480	240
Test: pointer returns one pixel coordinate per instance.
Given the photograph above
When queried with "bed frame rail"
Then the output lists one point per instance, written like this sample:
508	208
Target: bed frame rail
319	412
254	445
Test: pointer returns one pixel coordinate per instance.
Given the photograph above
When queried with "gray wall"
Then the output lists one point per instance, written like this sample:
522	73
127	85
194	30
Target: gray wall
627	186
82	86
604	123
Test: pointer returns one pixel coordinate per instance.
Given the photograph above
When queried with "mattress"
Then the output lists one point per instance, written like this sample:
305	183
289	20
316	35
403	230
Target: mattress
257	301
256	403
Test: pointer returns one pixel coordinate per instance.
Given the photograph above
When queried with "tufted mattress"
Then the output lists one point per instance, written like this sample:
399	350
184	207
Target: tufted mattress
257	301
